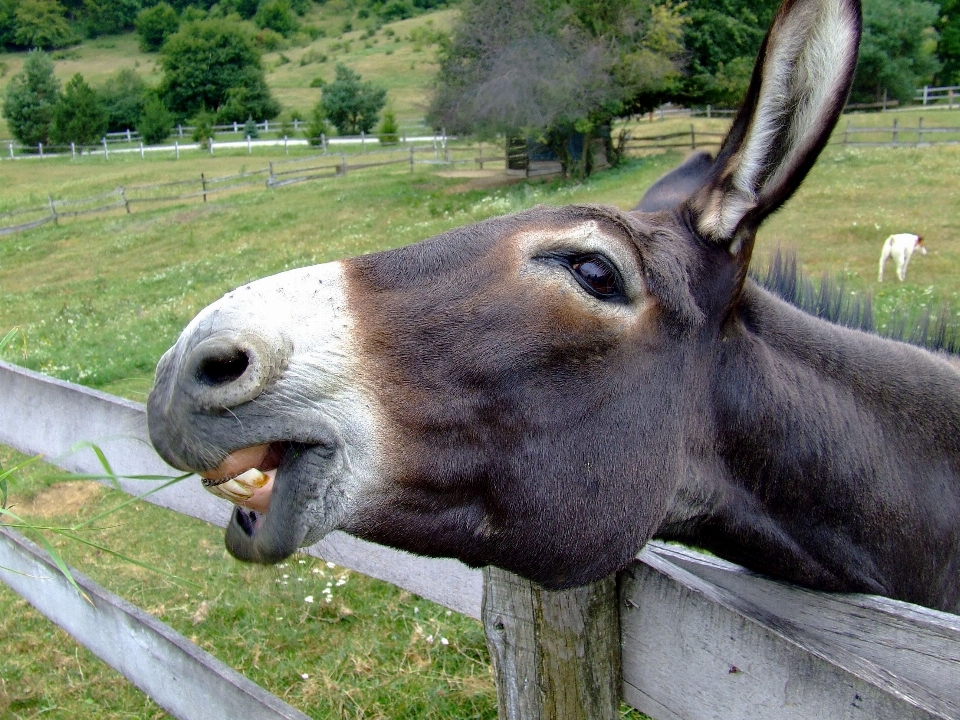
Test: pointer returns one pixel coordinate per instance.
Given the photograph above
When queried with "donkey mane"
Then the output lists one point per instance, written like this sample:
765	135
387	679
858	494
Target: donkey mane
830	301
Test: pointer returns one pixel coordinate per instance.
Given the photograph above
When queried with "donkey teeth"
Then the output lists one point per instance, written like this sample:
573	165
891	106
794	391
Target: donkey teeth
253	479
231	490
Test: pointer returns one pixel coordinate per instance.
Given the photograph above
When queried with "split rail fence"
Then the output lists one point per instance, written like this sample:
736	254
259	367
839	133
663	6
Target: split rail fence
683	635
277	174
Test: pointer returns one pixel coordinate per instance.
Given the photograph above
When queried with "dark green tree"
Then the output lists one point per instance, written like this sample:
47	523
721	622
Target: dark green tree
722	38
208	62
156	122
948	47
110	17
249	99
78	116
277	15
31	97
351	105
42	24
897	50
155	24
389	131
250	129
122	96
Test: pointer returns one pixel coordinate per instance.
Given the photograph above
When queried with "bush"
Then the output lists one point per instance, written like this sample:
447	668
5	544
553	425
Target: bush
78	116
317	125
110	17
269	40
396	10
276	15
389	131
122	96
251	99
156	24
31	97
41	24
351	105
202	128
156	122
318	82
250	129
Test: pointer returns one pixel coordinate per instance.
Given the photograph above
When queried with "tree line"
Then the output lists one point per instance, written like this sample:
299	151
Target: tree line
559	70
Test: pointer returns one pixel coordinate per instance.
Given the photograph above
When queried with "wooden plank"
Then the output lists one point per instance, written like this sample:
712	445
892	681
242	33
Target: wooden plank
184	680
556	655
704	638
43	415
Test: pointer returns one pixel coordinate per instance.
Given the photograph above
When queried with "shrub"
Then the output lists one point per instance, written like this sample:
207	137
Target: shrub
41	24
276	15
250	129
317	125
156	122
318	82
389	130
203	128
156	24
78	116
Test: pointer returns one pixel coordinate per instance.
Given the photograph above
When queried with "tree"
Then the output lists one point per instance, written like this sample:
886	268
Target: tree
250	129
351	105
78	116
277	15
110	17
722	40
897	50
948	48
555	69
31	96
155	24
41	24
203	128
123	95
156	122
208	62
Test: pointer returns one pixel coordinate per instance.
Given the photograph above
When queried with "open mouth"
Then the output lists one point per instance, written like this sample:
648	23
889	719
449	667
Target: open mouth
246	476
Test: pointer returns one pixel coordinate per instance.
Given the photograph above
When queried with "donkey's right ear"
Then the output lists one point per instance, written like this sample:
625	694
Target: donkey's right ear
799	87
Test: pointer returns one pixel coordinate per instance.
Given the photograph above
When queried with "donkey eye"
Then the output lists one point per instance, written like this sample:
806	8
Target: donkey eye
597	276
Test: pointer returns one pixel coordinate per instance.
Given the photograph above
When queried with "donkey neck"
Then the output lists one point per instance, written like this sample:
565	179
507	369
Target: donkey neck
835	458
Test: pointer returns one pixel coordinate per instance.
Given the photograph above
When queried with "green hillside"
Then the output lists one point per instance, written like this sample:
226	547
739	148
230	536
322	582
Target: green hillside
398	56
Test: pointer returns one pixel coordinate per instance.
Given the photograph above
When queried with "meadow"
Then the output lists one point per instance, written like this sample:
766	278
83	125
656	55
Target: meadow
98	299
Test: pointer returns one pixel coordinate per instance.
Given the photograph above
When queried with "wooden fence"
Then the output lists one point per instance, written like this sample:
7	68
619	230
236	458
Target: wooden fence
277	174
900	135
690	139
698	637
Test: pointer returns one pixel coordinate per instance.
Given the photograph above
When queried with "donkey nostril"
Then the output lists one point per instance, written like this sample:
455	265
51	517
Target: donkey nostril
223	368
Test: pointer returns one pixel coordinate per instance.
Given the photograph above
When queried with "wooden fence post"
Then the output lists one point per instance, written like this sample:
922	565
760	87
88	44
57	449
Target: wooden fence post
846	134
896	132
73	150
40	146
286	150
141	149
11	150
123	194
53	210
343	163
480	156
106	154
693	138
556	655
270	176
920	130
176	148
411	158
323	142
203	184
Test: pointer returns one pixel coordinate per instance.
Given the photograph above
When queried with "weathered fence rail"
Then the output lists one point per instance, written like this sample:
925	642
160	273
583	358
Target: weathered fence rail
332	164
699	637
900	135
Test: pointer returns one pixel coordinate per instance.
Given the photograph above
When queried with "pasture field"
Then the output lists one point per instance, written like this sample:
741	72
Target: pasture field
100	298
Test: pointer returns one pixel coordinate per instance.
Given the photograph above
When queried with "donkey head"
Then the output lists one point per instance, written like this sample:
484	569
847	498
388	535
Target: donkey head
527	392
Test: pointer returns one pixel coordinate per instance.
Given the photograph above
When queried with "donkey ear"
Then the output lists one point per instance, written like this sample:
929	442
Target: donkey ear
799	87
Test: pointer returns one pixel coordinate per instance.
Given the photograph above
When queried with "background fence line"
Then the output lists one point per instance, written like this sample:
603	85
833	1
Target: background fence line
338	164
701	638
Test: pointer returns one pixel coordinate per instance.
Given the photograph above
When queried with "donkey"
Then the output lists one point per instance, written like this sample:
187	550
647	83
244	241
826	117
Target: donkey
547	391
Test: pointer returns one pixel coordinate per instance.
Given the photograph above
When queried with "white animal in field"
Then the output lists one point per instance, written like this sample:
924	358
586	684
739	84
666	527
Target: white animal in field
900	247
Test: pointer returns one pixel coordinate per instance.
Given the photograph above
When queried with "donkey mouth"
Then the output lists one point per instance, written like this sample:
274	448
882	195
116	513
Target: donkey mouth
246	476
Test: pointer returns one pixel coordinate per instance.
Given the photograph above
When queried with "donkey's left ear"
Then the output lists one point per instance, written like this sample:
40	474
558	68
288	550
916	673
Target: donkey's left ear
798	90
